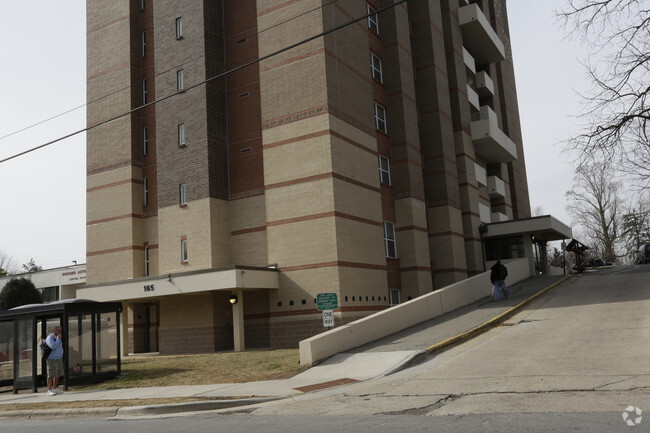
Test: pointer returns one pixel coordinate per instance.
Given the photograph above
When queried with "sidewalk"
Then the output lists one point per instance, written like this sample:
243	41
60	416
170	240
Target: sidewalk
380	358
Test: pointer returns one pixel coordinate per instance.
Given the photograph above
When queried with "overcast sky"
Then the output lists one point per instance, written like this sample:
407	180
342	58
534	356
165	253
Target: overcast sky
43	212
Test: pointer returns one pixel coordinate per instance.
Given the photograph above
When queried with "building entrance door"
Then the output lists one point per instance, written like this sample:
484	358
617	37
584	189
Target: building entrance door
145	327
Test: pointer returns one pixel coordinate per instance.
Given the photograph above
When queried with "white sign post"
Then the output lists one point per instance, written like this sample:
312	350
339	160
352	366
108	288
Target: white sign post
328	318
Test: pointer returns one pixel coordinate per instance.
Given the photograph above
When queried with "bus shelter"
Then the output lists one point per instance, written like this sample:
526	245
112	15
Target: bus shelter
91	342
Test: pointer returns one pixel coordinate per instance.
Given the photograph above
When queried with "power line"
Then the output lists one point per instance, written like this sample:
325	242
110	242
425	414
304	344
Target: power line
223	74
40	122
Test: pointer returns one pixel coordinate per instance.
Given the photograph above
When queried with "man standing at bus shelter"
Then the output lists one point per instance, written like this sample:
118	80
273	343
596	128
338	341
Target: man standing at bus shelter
54	361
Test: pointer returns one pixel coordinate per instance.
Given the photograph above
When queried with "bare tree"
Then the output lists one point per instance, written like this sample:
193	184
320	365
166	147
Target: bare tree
594	204
617	109
636	224
8	265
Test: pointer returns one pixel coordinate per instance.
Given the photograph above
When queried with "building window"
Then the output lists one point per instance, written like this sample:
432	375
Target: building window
179	28
142	4
146	261
375	68
373	20
384	170
181	134
180	84
144	44
389	239
380	118
182	192
144	91
146	191
49	294
145	141
184	251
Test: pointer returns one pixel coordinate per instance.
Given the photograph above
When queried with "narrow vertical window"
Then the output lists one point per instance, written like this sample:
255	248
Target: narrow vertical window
144	44
375	68
144	91
146	191
184	251
181	134
389	239
380	118
142	4
180	81
145	141
182	192
384	170
146	261
373	21
393	297
179	28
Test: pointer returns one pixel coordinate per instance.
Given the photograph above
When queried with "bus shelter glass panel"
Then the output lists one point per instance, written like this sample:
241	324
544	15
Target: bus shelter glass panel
23	377
6	353
106	339
80	346
44	328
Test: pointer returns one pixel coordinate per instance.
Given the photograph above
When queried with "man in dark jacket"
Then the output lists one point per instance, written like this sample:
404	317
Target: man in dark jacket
498	277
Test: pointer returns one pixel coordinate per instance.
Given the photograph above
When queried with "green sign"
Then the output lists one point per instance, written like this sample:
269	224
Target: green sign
327	301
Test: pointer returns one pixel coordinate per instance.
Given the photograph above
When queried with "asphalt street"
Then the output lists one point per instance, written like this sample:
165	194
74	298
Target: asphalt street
581	349
574	359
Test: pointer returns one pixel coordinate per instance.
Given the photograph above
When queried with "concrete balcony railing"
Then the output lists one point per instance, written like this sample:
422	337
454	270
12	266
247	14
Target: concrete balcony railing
484	213
479	37
498	217
472	96
469	61
496	187
490	142
481	176
484	85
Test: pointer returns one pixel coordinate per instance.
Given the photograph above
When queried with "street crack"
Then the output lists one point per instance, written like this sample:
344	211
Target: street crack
424	409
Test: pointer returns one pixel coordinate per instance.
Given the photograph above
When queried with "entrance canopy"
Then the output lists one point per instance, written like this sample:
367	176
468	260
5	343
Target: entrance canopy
543	228
91	341
523	238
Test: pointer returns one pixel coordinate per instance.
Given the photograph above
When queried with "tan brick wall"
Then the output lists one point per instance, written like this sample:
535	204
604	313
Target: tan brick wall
250	249
206	248
303	284
302	243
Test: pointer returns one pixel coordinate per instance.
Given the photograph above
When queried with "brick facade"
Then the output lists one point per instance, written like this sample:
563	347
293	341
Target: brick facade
280	161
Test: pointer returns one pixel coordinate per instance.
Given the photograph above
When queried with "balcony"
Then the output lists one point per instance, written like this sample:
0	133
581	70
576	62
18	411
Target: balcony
479	37
484	85
496	187
498	217
469	61
481	176
490	142
472	96
484	213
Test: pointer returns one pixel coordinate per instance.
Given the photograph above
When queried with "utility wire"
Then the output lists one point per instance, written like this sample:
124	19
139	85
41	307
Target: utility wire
223	74
158	74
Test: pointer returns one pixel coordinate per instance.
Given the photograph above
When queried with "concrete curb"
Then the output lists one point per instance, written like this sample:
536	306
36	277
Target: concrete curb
490	323
162	409
109	412
96	412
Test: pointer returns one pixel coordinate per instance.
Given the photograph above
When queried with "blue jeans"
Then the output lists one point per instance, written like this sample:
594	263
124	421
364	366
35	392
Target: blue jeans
500	286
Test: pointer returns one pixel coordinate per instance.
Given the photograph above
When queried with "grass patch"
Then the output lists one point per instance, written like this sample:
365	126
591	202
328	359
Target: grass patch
222	367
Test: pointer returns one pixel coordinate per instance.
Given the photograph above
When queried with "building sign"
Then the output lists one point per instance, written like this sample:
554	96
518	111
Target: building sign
327	301
74	276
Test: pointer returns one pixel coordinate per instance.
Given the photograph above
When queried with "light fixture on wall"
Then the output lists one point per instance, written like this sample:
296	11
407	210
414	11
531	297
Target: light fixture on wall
233	299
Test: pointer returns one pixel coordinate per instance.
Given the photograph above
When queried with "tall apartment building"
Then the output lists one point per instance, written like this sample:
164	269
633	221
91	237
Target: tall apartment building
364	162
